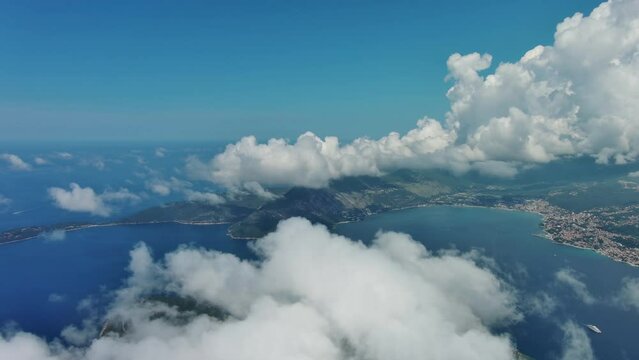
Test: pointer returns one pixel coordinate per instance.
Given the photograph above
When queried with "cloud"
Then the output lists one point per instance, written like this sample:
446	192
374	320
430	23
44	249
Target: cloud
90	328
634	174
205	197
166	187
313	162
572	98
571	279
15	162
79	199
40	161
540	304
311	295
64	155
4	201
160	152
24	346
576	343
56	298
173	185
98	164
55	235
628	296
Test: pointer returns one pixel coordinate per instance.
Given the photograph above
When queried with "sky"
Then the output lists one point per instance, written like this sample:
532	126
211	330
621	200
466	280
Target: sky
169	71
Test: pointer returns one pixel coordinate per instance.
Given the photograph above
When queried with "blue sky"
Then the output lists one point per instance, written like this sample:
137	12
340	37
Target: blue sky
217	70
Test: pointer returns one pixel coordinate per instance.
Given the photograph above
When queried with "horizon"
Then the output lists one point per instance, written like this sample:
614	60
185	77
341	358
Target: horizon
211	71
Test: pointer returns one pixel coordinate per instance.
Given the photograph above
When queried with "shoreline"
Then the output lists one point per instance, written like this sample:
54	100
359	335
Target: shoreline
73	228
544	234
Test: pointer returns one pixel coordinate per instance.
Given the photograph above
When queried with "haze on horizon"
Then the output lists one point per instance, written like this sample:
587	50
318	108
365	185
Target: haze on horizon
153	71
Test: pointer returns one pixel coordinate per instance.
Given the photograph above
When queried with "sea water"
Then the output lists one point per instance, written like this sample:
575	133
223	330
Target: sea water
529	263
43	281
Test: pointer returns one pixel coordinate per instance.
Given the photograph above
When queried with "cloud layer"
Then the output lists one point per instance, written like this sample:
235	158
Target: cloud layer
79	199
579	96
312	295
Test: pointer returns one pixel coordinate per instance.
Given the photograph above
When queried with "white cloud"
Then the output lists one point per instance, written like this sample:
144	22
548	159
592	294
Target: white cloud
634	174
64	155
206	197
160	152
79	199
313	162
173	185
572	280
576	343
15	162
55	235
40	161
166	187
575	97
24	346
628	296
313	295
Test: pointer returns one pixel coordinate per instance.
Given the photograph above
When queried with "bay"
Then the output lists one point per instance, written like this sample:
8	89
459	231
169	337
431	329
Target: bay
529	263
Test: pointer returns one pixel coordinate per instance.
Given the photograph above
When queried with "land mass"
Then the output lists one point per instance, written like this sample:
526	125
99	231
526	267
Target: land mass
573	213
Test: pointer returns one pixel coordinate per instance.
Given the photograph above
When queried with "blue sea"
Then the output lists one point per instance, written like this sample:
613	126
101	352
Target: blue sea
44	280
529	263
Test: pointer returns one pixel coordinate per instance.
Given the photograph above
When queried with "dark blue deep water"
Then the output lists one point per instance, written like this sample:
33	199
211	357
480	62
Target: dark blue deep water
43	281
530	263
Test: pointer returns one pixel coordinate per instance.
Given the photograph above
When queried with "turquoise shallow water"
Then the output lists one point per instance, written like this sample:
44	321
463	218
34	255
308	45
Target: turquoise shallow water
91	262
530	263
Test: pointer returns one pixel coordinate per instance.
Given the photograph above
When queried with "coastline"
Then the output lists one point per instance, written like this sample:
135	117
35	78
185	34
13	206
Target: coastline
73	228
544	234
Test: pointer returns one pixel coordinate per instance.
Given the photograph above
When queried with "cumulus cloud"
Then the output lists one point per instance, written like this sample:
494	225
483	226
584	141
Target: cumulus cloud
575	97
15	162
79	199
634	174
628	296
40	160
572	280
576	343
311	295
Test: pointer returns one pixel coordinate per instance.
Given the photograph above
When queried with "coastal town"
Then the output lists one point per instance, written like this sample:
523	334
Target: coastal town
611	231
589	229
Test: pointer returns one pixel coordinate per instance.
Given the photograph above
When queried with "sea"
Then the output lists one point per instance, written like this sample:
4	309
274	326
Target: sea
45	280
